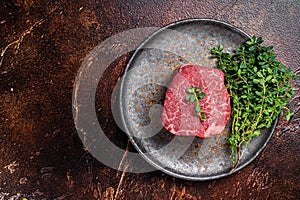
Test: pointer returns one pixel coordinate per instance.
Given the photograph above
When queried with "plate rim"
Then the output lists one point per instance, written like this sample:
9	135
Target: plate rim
151	162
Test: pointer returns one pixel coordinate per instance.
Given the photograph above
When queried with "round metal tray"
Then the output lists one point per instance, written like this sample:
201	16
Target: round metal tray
143	87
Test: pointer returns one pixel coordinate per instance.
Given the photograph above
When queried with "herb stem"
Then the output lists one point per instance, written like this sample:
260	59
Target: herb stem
196	95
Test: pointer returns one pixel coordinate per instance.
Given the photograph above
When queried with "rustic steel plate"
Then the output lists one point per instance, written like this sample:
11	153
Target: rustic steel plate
143	87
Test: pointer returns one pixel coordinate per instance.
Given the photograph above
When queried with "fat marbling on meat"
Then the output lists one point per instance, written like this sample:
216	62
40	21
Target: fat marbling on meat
179	115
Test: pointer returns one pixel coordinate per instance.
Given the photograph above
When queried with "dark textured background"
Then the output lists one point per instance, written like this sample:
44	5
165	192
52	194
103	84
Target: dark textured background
42	45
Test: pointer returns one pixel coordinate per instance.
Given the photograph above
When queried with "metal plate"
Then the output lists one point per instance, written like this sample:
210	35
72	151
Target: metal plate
143	87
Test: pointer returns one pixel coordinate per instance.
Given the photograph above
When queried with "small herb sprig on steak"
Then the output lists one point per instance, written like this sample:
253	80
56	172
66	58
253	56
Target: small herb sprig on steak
259	87
195	96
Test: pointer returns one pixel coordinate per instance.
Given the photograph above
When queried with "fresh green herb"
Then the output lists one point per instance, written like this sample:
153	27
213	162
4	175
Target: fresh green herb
259	87
195	95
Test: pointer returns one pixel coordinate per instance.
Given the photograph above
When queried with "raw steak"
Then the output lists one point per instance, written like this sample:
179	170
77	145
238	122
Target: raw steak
179	115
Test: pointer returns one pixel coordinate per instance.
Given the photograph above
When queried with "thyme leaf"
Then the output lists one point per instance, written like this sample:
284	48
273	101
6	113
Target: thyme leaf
259	87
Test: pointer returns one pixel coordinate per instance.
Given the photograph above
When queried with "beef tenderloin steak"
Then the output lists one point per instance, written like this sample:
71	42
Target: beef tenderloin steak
179	115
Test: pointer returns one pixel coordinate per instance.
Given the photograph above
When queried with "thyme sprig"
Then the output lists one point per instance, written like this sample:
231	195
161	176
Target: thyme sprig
195	96
259	87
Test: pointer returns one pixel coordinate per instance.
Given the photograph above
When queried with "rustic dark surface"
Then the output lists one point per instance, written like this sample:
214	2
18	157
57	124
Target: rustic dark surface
43	44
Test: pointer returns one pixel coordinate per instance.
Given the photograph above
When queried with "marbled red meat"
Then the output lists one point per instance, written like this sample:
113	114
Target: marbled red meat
179	116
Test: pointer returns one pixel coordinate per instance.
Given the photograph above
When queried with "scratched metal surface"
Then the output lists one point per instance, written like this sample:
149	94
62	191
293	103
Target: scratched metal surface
43	44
